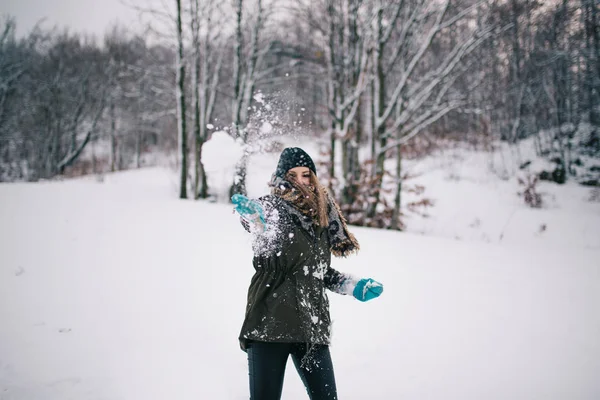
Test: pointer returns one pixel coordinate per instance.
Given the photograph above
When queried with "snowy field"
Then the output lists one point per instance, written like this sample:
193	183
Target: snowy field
113	289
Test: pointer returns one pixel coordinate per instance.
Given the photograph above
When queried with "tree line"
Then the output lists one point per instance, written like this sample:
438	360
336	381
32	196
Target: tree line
369	76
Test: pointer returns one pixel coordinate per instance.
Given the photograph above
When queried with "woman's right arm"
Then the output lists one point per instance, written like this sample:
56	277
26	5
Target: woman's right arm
252	215
260	215
252	224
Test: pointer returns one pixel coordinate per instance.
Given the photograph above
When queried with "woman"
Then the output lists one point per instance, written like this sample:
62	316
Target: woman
296	229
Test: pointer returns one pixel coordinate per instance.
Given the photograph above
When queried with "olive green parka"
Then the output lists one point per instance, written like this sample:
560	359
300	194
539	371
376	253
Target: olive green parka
287	301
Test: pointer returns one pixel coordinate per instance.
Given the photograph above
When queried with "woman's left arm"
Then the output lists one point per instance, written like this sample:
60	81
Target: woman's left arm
338	282
362	289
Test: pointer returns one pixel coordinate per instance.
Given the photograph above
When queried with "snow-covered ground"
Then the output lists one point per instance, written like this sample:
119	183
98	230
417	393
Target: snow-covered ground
114	289
473	203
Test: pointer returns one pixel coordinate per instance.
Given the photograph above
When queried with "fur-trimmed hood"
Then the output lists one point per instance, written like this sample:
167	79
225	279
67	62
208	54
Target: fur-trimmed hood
343	242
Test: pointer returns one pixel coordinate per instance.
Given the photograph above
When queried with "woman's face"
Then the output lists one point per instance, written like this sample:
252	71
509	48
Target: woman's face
300	174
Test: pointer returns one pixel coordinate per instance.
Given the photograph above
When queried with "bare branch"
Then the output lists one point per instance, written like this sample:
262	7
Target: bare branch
392	23
161	15
380	119
402	39
361	85
425	123
461	14
73	155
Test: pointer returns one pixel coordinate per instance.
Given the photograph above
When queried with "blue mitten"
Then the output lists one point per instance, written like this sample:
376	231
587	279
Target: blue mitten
367	289
247	208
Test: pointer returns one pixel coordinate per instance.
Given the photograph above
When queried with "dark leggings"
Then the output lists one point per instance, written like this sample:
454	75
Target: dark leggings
266	364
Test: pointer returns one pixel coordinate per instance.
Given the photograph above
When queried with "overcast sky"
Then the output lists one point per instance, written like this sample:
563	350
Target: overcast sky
91	16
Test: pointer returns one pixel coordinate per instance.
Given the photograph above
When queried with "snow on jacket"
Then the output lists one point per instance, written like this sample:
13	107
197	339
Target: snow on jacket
287	301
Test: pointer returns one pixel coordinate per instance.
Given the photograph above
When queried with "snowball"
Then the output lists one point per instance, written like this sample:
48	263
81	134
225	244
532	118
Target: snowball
259	98
220	156
266	127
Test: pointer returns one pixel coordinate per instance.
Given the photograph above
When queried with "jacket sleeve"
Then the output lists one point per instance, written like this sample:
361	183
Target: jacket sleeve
255	226
338	282
245	224
250	226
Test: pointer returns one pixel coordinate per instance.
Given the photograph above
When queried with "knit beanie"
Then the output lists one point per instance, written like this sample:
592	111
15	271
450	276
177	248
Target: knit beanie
292	157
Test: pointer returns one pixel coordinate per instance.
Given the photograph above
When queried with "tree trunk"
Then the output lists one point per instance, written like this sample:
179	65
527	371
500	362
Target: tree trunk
71	157
203	194
239	183
138	149
244	88
352	165
94	163
594	62
195	20
379	107
353	138
332	157
332	85
396	223
113	137
237	70
515	68
181	123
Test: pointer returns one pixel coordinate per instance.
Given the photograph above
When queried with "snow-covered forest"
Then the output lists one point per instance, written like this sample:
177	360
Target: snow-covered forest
375	82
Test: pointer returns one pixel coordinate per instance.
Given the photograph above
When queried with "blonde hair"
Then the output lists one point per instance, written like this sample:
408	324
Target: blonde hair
322	200
314	197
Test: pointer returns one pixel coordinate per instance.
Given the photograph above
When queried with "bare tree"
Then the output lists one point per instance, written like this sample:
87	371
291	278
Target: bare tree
205	80
419	92
591	25
141	100
181	115
248	62
10	67
347	76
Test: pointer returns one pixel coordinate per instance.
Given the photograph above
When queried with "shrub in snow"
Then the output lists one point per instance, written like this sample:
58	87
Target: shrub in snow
530	195
546	170
587	139
556	174
591	176
595	195
573	152
420	207
585	145
356	197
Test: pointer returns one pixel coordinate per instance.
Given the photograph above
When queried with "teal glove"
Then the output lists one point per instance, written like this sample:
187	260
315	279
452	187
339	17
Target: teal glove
367	289
246	207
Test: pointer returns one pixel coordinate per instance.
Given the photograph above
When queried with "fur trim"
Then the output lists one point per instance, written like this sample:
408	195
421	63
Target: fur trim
343	243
